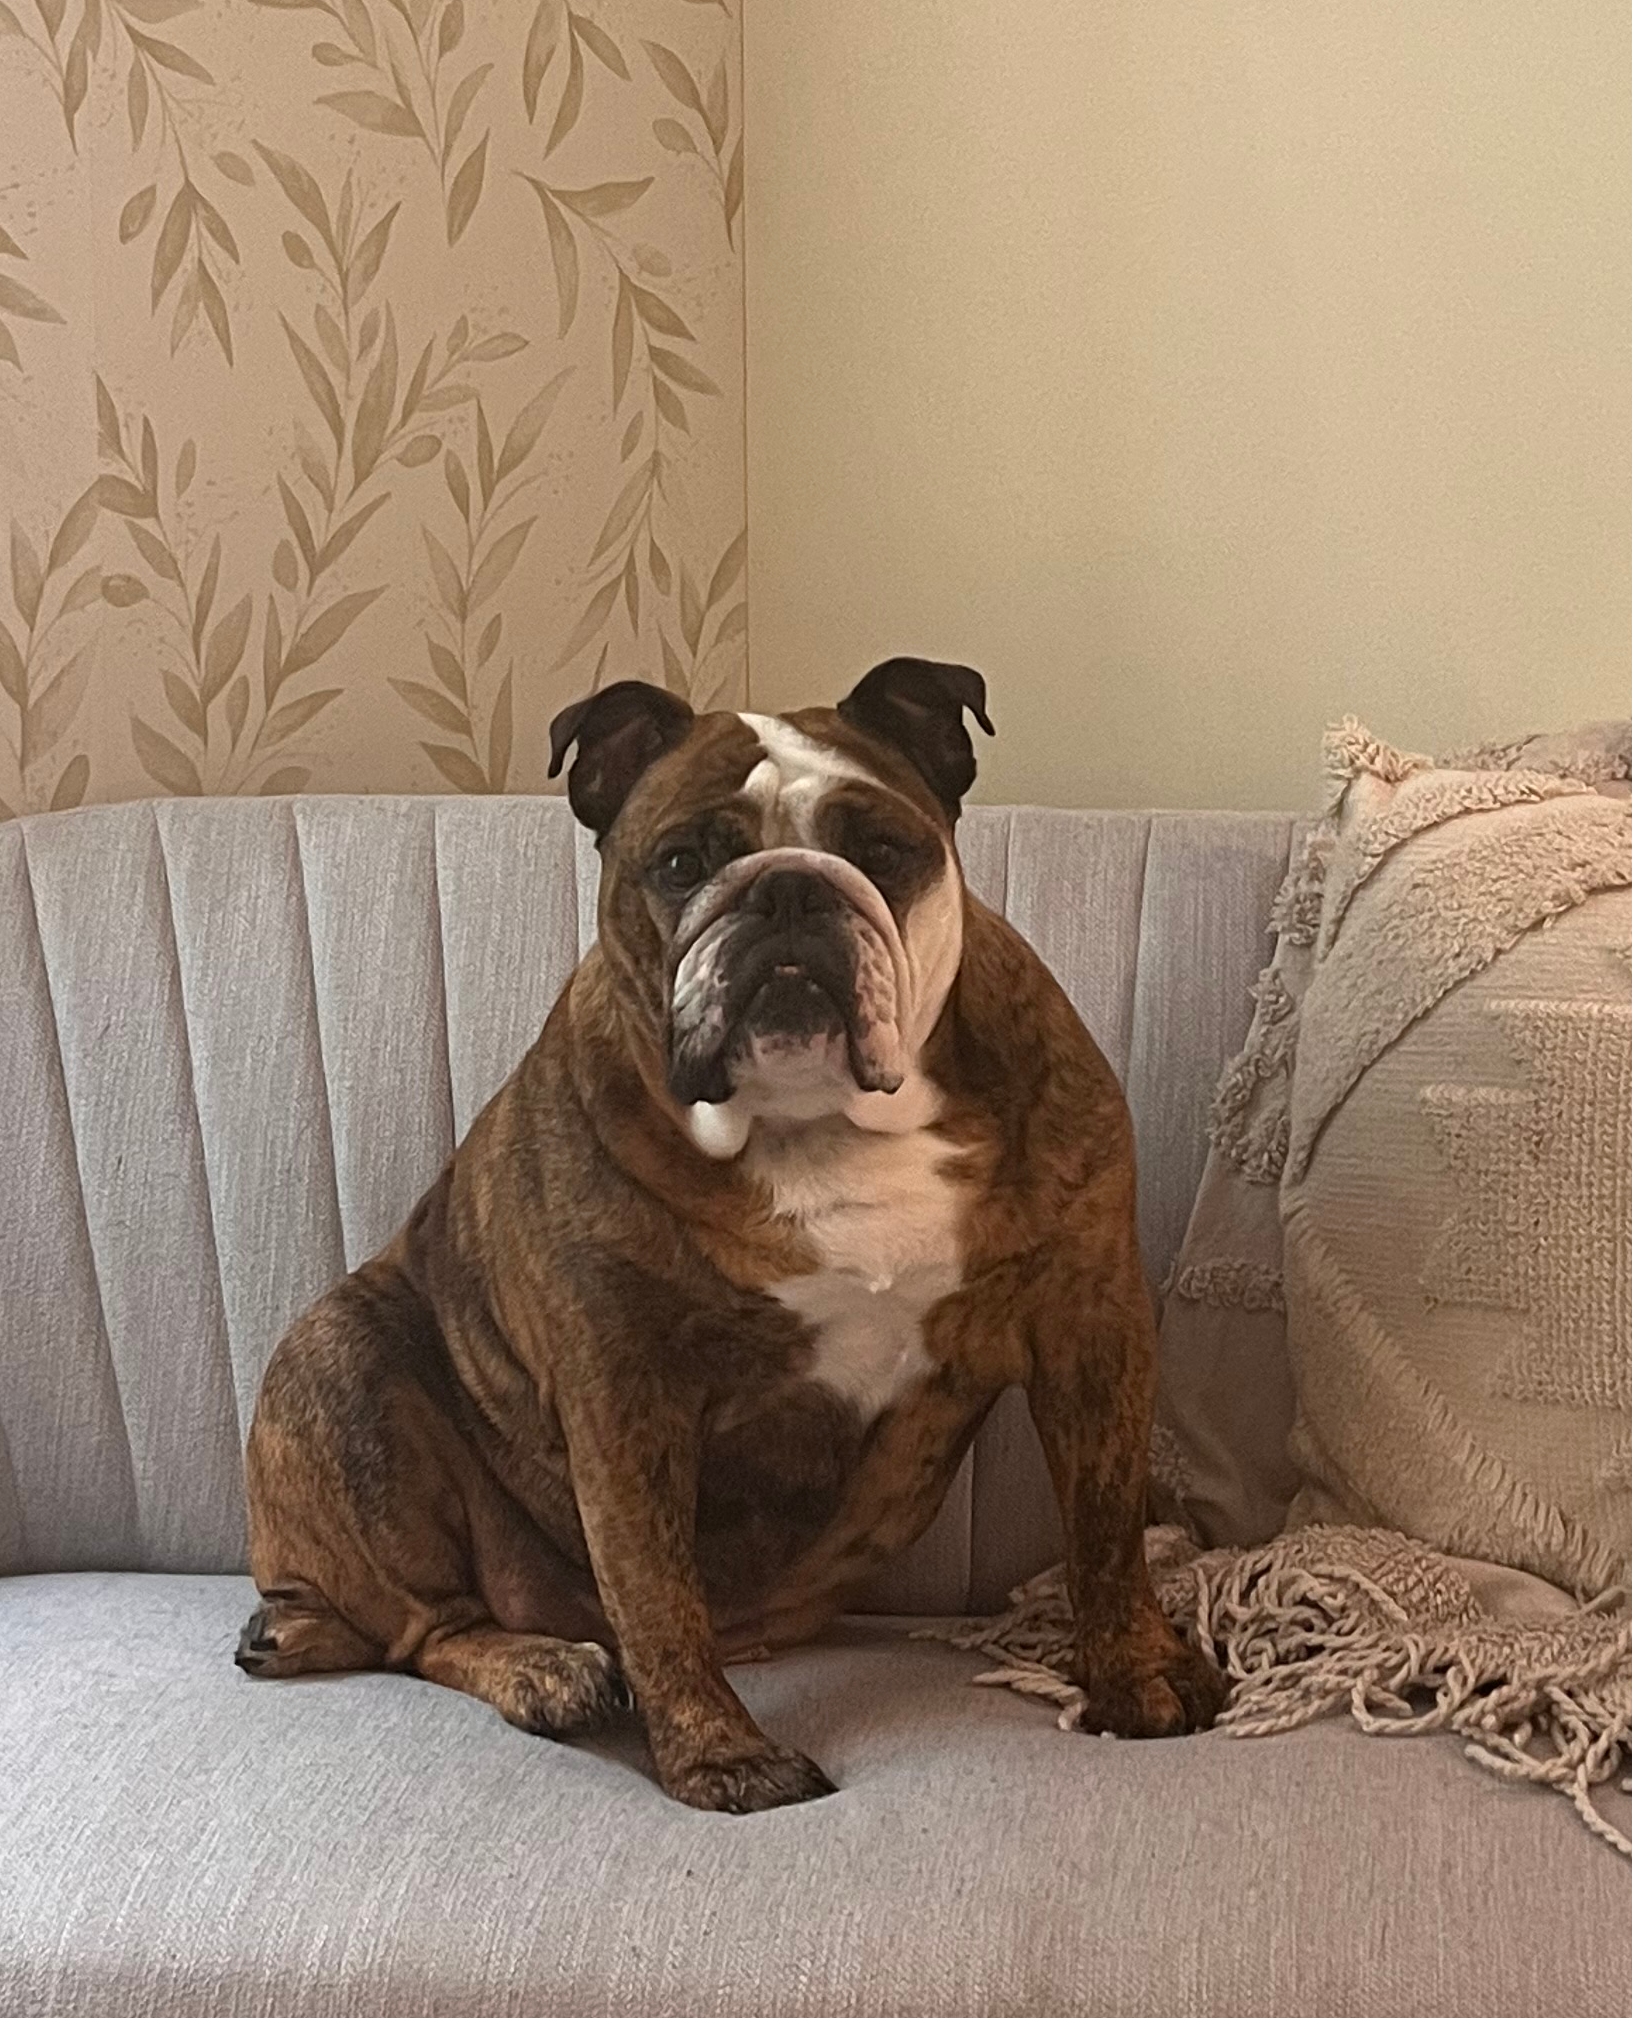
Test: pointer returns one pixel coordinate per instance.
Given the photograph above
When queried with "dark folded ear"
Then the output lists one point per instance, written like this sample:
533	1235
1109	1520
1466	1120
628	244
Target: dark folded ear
619	732
917	705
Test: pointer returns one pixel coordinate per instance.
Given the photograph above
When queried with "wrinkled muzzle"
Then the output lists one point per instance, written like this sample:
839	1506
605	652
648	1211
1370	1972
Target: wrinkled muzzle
789	964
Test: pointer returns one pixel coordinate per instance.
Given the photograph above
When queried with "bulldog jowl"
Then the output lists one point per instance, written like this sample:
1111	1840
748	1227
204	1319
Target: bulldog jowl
811	1160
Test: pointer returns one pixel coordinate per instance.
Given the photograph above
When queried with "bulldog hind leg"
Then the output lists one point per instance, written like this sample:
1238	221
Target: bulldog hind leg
293	1631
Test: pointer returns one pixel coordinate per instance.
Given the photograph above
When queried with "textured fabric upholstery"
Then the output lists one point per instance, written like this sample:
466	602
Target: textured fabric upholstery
241	1037
198	1845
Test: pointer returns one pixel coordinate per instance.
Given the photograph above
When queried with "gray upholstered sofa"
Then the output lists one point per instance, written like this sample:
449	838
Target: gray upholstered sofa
235	1042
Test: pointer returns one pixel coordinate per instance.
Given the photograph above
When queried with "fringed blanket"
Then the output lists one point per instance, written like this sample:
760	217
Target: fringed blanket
1334	1618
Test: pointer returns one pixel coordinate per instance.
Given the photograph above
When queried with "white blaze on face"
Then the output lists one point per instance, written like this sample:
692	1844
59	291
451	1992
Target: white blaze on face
789	783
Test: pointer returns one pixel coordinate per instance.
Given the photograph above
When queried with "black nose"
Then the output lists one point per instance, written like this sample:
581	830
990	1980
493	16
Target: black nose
790	897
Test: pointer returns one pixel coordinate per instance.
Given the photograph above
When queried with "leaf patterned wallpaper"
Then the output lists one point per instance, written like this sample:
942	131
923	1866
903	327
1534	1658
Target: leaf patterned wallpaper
370	384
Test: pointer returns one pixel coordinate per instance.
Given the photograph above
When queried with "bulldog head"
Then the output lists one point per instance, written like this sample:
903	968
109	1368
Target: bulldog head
780	897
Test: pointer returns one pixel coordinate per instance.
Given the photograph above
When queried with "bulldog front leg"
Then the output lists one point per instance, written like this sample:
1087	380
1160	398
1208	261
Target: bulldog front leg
634	1464
1091	1390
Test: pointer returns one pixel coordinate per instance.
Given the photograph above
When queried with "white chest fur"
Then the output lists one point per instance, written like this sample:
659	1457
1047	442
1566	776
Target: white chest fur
882	1216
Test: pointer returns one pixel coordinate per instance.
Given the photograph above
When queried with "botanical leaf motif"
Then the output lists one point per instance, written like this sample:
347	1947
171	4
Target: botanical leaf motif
173	234
492	348
9	245
226	649
366	263
317	381
215	309
601	46
374	409
631	590
71	786
26	578
168	57
733	186
673	137
235	168
603	199
657	315
285	568
572	98
76	75
622	514
729	571
377	113
333	340
495	568
271	652
184	705
691	612
486	474
325	631
84	591
300	525
733	625
77	525
623	342
293	716
528	425
460	771
294	779
437	709
446	666
488	644
453	473
188	299
163	762
422	449
466	192
347	530
500	735
449	582
662	575
681	371
15	299
215	224
204	601
237	707
459	106
677	79
122	591
360	24
118	494
563	256
540	47
9	353
110	436
154	551
670	406
674	670
51	714
13	674
717	106
450	30
298	252
631	437
150	458
301	188
588	625
133	219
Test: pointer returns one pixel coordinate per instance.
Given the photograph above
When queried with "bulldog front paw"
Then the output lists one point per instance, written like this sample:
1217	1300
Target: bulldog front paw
1144	1691
748	1783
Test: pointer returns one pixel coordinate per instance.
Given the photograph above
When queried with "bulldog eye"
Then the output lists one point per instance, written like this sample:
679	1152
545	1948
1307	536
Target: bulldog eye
680	870
878	856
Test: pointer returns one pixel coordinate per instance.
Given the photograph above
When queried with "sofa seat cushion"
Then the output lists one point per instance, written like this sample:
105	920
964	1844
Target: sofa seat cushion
176	1839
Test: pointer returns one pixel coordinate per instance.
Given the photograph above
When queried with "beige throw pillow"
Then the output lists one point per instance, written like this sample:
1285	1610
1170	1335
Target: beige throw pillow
1456	1198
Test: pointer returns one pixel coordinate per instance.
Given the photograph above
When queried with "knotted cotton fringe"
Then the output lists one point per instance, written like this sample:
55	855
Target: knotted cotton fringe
1332	1617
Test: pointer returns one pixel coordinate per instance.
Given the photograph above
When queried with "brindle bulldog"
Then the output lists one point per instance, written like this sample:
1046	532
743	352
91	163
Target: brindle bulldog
811	1161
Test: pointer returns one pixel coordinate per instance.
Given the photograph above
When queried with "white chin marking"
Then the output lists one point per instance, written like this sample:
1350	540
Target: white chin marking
719	1131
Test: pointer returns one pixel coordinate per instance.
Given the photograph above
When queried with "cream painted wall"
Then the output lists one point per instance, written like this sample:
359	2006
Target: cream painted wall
1199	371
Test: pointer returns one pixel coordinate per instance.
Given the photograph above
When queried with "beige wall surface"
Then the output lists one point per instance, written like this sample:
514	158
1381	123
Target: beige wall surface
370	384
1200	371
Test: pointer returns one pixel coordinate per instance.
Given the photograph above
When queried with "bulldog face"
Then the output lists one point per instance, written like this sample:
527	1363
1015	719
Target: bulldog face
782	893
